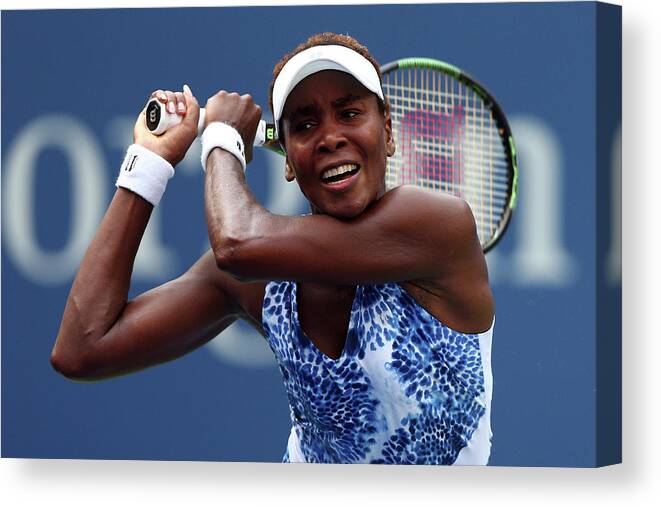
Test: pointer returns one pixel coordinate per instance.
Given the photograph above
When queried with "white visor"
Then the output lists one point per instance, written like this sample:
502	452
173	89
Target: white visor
316	59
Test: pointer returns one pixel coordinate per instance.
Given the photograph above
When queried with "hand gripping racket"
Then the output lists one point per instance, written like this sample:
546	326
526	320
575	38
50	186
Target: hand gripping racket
160	120
451	136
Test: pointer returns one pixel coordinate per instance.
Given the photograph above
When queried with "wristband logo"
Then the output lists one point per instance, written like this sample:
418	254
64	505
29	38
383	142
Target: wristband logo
131	164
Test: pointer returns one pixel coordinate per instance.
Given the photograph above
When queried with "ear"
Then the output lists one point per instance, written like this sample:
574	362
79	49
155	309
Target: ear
390	140
289	172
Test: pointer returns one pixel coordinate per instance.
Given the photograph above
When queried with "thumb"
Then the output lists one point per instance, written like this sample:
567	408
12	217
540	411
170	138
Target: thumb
192	109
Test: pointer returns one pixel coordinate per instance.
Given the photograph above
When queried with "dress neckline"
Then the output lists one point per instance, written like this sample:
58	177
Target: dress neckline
350	337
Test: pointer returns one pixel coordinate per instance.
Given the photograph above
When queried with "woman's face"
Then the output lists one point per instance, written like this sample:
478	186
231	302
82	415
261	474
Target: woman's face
337	141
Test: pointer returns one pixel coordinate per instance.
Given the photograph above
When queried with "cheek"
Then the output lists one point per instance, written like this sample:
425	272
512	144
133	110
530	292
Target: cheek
380	150
378	131
303	175
302	172
295	164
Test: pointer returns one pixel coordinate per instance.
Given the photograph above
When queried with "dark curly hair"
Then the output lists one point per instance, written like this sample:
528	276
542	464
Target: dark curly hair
326	39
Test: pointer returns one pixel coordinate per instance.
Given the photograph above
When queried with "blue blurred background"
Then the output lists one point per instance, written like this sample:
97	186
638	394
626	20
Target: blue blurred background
72	85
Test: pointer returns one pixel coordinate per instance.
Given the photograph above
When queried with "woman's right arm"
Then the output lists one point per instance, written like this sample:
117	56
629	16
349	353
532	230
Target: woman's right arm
102	334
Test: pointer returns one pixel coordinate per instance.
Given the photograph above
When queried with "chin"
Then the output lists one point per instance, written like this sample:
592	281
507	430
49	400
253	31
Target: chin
346	205
345	214
351	209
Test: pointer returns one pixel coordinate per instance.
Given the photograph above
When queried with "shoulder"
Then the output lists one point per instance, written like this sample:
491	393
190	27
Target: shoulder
412	199
415	193
437	215
459	294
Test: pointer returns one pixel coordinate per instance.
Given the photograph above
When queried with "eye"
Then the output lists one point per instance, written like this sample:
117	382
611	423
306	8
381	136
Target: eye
350	113
304	125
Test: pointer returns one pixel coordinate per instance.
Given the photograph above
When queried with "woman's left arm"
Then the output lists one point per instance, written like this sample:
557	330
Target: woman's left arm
408	234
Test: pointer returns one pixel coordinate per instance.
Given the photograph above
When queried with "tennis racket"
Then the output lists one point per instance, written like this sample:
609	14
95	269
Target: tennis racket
451	136
159	120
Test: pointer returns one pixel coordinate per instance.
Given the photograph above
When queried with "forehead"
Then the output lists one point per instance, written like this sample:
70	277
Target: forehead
325	87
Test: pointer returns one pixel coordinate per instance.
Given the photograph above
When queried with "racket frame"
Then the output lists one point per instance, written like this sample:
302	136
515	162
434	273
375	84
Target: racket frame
504	130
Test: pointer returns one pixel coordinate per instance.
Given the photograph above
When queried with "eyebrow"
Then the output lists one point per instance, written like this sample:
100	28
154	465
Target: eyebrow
304	111
311	108
343	101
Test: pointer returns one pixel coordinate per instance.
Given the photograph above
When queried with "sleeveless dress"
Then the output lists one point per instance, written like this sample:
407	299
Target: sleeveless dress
405	390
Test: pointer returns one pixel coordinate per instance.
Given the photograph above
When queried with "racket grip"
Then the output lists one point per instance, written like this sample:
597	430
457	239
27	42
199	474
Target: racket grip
159	120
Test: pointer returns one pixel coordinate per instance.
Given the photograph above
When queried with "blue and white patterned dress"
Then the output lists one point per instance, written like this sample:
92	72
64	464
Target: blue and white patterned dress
406	389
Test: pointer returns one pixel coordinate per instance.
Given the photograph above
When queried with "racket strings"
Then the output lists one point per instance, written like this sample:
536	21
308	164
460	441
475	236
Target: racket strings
447	140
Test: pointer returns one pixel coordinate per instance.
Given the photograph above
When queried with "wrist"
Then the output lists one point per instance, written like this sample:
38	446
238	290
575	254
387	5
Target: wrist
144	173
224	136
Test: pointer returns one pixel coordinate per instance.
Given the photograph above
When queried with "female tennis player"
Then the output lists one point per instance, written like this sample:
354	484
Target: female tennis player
377	305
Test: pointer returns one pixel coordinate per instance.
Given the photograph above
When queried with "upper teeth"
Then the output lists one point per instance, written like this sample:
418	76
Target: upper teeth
338	170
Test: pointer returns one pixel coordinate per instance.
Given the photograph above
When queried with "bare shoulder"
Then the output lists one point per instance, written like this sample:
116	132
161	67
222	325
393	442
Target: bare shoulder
416	200
443	218
461	297
424	196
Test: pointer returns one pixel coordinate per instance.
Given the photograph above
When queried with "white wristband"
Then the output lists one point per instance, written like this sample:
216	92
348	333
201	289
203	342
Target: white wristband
144	173
222	135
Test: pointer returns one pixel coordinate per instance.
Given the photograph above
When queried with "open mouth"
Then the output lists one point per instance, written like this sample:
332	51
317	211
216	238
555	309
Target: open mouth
339	173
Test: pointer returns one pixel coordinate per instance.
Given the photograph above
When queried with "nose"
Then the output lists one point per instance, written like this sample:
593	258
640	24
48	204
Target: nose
331	138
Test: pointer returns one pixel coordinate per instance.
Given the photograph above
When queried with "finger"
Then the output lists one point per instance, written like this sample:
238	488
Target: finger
159	95
170	105
192	108
189	97
140	127
180	103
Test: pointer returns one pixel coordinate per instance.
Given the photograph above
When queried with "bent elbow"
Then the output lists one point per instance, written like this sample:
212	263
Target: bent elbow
71	366
232	257
226	253
238	248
